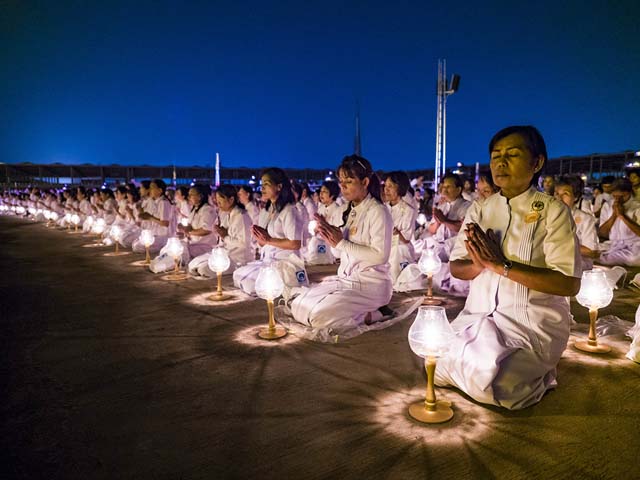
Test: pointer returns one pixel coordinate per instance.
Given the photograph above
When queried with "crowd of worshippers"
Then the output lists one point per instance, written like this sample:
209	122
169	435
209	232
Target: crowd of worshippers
514	244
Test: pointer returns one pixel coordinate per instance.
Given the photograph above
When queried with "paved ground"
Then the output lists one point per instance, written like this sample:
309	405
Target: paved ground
110	372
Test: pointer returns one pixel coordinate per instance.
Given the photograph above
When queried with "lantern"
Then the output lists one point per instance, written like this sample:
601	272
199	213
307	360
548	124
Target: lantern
219	262
269	285
430	264
175	249
429	338
595	292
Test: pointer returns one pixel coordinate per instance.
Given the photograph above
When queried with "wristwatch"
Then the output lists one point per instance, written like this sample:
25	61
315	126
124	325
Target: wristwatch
507	265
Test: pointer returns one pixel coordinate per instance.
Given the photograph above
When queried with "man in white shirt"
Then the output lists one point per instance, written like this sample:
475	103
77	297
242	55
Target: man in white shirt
620	223
448	215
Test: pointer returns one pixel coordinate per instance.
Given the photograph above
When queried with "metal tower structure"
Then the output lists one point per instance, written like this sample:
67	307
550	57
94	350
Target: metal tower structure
357	147
217	181
444	89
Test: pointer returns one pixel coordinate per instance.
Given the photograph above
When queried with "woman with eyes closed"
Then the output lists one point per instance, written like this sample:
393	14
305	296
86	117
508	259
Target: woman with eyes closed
279	235
520	252
363	285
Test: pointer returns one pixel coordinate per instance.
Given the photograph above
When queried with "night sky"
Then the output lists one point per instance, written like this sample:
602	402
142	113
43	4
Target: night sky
275	83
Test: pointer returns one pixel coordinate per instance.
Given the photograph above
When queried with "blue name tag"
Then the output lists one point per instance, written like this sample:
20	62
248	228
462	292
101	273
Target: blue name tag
301	276
322	249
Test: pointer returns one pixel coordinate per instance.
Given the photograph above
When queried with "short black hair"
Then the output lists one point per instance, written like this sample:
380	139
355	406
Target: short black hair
333	187
575	182
456	178
533	140
401	179
622	185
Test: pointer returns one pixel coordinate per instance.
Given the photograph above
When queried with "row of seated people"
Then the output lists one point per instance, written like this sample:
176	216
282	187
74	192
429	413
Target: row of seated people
518	250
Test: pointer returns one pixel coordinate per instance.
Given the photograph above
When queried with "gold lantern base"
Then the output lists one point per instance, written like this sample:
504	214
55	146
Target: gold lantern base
219	297
591	347
432	301
140	263
272	333
175	277
93	245
439	413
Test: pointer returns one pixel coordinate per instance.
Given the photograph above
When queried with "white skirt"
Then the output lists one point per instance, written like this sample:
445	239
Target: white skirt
291	271
340	304
481	364
318	252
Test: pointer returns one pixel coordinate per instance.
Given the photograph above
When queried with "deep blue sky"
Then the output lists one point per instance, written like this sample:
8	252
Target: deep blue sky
275	82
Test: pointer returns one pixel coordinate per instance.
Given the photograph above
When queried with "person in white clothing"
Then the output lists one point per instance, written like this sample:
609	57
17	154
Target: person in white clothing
468	191
318	251
200	231
160	217
485	187
620	223
234	231
279	235
303	214
198	236
182	204
521	254
307	200
403	215
447	216
363	285
604	195
132	228
245	197
568	189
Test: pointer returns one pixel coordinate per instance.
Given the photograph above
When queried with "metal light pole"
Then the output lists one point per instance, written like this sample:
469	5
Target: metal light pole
444	89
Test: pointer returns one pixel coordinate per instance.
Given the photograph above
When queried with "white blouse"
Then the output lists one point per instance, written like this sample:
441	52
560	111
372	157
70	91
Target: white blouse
203	218
619	230
403	216
162	209
238	239
367	240
332	213
284	224
456	211
534	229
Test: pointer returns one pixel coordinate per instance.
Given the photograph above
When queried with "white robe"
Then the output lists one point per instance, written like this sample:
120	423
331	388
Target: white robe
587	233
318	251
284	224
363	283
444	237
237	243
623	247
509	339
402	254
162	209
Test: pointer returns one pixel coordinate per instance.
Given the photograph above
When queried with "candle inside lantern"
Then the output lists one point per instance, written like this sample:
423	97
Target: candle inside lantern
422	219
